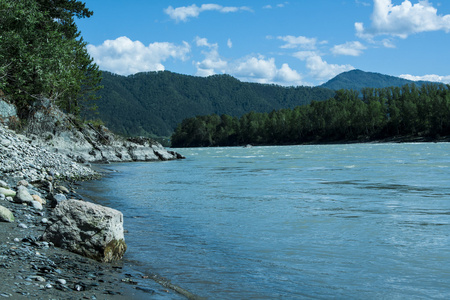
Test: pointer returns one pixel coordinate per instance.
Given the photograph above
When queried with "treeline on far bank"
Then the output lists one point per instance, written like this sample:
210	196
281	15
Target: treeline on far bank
349	116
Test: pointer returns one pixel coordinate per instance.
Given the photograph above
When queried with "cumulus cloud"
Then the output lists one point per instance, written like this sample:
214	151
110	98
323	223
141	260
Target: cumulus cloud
257	69
286	74
264	70
403	20
183	13
431	77
124	56
349	48
212	63
318	68
252	68
298	42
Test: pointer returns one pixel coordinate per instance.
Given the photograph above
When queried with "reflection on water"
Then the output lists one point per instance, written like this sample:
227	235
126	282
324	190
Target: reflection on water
335	221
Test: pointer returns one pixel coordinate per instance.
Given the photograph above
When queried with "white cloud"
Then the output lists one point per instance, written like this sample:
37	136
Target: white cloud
264	70
349	48
298	42
387	43
258	69
280	5
253	68
318	68
229	43
403	20
203	42
213	63
183	13
124	56
286	74
431	77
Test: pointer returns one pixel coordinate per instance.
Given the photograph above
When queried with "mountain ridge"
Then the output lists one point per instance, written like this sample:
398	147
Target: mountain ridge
357	79
152	104
156	102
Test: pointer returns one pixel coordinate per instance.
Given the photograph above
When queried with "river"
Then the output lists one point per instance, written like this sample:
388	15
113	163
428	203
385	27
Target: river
356	221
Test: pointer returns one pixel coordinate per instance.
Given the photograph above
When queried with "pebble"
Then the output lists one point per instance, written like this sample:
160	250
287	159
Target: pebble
21	225
23	182
62	189
62	281
37	278
37	205
38	198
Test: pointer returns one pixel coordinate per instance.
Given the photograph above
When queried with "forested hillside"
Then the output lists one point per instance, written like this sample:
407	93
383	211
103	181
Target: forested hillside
379	114
357	80
154	103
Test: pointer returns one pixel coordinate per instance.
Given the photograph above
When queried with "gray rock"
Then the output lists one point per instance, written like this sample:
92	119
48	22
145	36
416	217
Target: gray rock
88	229
6	215
5	142
23	182
3	184
23	196
62	189
58	199
88	143
7	111
37	205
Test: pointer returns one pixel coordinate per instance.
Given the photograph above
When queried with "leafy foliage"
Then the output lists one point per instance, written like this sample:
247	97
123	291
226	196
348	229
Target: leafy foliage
154	103
43	55
379	113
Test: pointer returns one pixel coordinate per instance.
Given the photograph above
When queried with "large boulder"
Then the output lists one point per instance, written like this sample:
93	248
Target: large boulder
88	229
23	195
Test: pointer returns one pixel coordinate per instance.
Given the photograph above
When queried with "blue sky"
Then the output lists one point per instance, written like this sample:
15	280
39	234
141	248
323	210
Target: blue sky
291	43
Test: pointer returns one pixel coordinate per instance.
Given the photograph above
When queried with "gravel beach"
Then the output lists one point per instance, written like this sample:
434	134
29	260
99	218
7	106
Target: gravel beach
31	268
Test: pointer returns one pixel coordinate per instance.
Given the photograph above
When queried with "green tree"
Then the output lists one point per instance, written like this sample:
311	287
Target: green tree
43	55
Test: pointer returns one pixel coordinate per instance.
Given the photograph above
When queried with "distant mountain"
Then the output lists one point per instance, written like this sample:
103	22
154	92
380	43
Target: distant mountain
357	79
154	103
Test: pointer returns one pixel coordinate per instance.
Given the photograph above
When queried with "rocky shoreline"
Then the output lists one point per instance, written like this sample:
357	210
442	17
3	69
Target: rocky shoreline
46	169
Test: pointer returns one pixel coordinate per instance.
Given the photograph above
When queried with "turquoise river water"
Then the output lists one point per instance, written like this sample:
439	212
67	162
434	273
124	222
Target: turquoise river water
357	221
